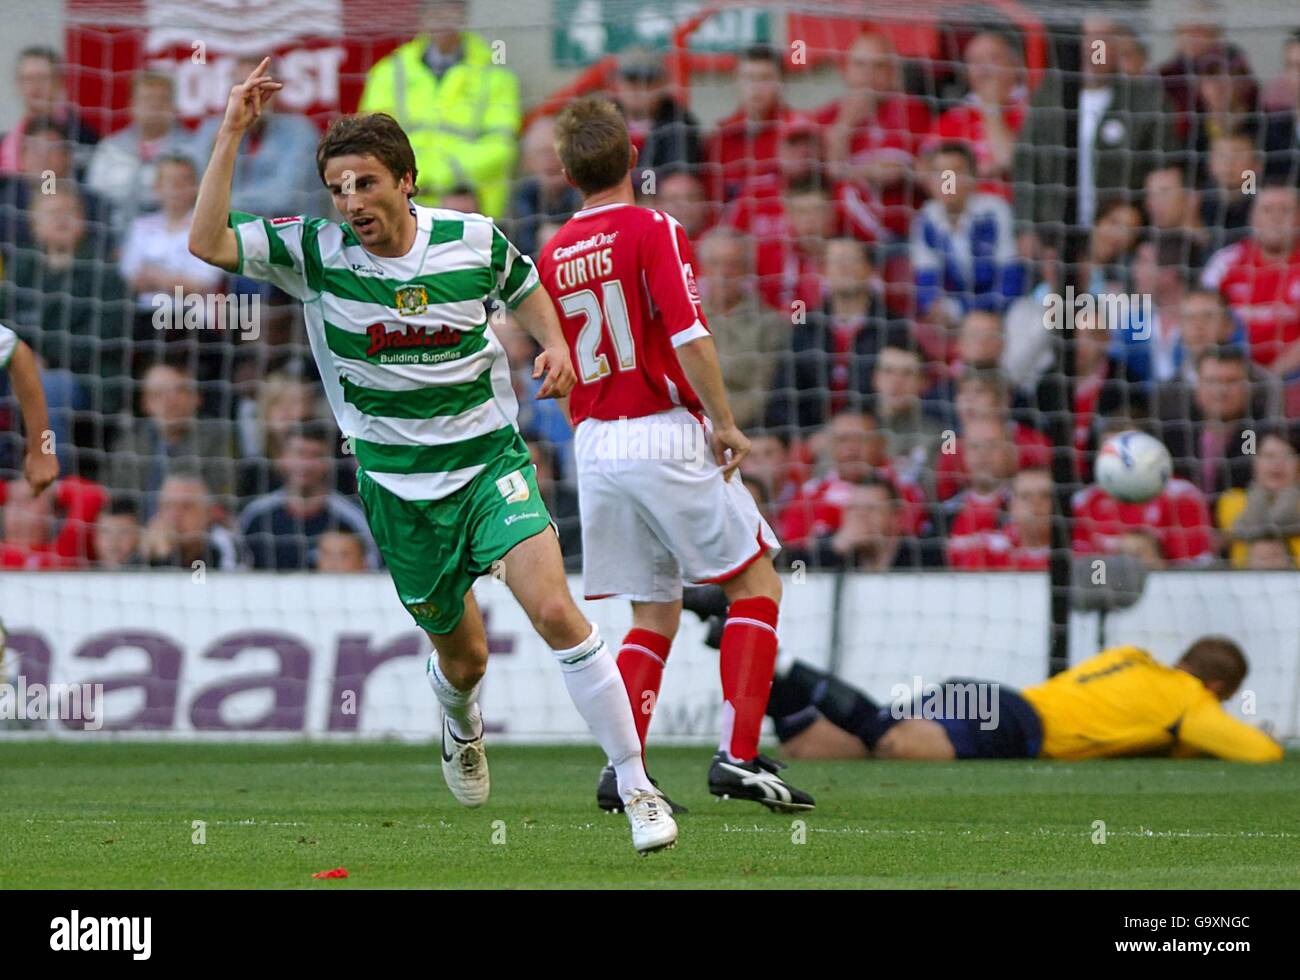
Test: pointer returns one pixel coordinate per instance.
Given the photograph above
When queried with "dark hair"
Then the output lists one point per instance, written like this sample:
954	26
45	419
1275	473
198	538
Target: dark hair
178	158
1229	353
764	52
1177	249
856	411
592	143
1113	202
958	147
1216	658
178	362
1287	430
122	506
375	134
41	51
872	481
46	124
311	430
812	183
780	435
1214	294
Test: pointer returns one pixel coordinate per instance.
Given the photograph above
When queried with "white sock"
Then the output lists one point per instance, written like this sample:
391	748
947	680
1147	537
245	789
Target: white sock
460	707
597	690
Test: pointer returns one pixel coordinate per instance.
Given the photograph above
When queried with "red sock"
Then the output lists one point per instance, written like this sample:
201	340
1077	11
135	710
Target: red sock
641	661
748	661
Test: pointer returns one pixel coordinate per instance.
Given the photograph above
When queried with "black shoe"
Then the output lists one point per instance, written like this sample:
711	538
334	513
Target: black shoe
607	797
756	780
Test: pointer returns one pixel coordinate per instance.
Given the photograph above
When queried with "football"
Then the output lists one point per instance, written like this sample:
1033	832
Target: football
1133	466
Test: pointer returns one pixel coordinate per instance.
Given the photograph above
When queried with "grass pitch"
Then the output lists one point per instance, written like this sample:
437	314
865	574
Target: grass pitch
122	815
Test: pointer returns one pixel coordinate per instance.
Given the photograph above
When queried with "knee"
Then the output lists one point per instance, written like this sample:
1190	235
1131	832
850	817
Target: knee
467	667
759	579
559	622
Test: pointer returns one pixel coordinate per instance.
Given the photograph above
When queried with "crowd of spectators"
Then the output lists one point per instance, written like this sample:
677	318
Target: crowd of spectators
874	272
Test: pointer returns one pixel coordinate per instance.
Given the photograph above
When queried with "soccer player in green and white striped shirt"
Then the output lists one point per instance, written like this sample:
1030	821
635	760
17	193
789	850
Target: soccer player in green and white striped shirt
394	302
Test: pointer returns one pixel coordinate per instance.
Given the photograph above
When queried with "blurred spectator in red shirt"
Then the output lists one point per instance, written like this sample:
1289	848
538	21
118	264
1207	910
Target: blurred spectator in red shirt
993	111
791	269
857	451
757	209
29	520
1023	541
874	131
977	510
982	393
1259	277
745	143
871	536
1178	517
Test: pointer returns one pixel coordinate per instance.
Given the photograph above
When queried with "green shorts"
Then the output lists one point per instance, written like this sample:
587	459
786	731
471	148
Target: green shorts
435	549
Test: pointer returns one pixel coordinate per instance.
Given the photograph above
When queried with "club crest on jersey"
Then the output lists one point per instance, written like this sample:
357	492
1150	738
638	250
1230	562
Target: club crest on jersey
692	289
513	487
411	300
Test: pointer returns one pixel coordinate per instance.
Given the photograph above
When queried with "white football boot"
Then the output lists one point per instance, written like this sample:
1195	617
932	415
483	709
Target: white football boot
464	766
653	827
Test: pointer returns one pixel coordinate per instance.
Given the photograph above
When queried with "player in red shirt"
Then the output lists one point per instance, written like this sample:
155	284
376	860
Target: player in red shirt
657	488
1259	277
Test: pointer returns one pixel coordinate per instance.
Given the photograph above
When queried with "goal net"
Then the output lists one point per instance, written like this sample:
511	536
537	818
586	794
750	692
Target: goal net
945	249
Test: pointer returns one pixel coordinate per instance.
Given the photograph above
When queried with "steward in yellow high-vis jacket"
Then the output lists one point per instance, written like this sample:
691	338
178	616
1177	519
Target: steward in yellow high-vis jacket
459	108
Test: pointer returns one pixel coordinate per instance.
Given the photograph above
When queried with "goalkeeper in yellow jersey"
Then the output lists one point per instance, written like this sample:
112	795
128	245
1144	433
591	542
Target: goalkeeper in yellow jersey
1122	702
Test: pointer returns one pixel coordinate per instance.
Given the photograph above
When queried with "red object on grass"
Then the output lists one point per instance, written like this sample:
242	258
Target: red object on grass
332	873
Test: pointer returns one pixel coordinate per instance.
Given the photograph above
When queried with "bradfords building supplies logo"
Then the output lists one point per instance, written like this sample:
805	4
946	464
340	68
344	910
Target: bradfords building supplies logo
411	345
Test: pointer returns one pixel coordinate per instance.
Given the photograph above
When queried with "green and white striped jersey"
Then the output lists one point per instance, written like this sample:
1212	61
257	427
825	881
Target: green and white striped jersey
414	376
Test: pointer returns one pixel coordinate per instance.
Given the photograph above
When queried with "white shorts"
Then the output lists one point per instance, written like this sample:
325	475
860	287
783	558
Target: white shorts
655	509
